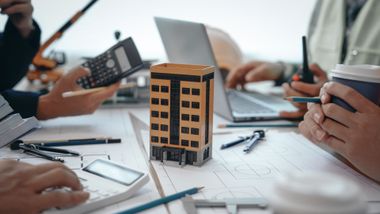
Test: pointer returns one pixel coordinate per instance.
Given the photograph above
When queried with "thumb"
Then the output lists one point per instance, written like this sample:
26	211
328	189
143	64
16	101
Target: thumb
78	72
105	93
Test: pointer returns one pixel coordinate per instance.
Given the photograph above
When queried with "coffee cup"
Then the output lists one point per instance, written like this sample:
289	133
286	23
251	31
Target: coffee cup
364	79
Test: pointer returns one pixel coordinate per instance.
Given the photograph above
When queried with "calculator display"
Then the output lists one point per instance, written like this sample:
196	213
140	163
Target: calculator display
114	172
122	59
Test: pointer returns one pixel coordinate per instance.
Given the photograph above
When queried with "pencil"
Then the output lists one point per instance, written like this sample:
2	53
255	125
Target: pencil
161	201
92	90
303	99
262	125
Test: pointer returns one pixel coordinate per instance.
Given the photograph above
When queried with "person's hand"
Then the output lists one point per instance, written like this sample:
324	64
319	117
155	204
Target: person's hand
23	187
54	105
20	14
301	89
252	72
355	136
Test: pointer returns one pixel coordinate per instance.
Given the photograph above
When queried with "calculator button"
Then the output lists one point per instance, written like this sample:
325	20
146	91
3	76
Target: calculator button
110	63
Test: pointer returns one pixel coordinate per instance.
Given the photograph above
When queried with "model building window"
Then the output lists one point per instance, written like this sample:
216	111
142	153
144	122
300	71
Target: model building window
164	140
195	91
155	88
164	127
195	118
154	126
185	117
184	142
185	130
195	105
185	90
154	139
164	102
194	144
154	113
185	104
164	89
164	115
155	101
194	131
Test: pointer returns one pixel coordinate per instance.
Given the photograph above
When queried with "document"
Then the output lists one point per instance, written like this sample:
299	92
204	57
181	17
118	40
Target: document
231	173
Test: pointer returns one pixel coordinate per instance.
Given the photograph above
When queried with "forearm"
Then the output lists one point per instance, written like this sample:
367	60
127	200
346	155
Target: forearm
25	103
17	53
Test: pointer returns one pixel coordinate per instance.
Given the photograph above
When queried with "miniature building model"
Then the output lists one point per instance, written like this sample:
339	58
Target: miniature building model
181	113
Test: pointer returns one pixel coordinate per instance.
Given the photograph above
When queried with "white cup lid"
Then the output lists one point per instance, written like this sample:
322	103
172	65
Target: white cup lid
365	73
316	192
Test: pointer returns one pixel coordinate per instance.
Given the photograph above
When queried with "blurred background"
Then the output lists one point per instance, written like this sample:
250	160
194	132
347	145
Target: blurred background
269	29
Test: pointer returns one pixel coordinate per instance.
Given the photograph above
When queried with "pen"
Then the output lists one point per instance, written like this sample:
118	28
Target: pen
56	150
254	140
78	142
92	90
259	125
303	99
161	201
39	153
233	143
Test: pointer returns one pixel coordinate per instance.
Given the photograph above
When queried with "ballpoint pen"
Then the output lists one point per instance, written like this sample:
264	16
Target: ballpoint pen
256	137
56	150
233	143
77	142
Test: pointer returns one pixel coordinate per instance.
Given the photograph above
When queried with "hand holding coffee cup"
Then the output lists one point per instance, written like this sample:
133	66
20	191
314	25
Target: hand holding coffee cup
349	128
365	79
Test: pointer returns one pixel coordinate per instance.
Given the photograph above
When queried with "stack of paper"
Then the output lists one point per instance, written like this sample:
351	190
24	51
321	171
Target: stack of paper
13	126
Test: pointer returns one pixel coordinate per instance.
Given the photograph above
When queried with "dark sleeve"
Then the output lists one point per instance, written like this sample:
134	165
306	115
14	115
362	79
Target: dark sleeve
25	103
16	54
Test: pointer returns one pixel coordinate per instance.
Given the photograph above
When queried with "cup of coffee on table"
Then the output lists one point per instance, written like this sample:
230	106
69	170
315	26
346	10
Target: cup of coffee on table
365	79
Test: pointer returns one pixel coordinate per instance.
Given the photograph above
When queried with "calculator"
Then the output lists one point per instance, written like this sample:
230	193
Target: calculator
108	183
118	62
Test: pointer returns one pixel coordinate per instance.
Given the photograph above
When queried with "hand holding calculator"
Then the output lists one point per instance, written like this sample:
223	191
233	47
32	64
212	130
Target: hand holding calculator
120	61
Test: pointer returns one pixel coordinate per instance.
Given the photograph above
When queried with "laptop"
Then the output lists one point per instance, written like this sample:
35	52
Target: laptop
188	43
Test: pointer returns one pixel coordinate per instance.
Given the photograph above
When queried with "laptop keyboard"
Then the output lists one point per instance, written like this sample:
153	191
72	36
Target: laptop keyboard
240	104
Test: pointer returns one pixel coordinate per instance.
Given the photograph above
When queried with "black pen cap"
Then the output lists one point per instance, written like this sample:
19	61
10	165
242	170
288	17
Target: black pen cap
16	145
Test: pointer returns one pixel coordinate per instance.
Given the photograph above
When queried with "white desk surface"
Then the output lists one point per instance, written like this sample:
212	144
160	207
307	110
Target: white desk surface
214	175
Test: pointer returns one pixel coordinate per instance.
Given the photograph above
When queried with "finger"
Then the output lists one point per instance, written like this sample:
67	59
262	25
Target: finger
106	93
314	128
352	97
336	129
311	90
60	199
257	74
18	8
292	114
55	178
315	112
335	144
237	76
7	3
318	72
288	91
77	73
306	131
325	98
338	114
42	168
